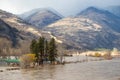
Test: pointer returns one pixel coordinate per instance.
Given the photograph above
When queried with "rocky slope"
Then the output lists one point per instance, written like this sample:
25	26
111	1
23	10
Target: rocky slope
9	33
12	40
41	17
90	29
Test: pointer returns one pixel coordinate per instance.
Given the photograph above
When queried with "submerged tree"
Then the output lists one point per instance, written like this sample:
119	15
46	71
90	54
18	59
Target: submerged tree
52	50
27	59
34	49
41	49
33	46
44	50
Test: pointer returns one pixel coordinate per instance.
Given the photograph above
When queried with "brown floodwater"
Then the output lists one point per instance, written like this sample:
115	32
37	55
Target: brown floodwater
92	70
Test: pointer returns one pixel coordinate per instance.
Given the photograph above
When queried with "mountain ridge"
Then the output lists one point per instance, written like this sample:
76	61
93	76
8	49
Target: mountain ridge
41	17
93	28
101	16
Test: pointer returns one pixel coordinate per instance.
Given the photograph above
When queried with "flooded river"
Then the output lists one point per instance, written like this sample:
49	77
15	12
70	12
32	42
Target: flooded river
93	70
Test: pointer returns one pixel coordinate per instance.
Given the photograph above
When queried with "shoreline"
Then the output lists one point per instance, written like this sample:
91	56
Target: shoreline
10	68
69	60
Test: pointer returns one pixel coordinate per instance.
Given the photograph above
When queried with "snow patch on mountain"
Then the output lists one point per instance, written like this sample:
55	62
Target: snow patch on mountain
32	30
57	40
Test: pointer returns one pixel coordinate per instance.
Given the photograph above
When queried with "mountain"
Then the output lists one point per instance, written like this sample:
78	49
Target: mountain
114	9
15	34
18	23
89	29
102	17
41	17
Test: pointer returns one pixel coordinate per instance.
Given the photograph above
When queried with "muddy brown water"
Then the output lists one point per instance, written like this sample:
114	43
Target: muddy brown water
93	70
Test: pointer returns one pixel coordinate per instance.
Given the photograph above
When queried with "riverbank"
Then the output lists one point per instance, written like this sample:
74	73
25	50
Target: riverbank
67	60
92	70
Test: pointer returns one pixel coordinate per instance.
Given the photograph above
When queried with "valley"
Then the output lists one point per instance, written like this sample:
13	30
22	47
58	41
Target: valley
59	40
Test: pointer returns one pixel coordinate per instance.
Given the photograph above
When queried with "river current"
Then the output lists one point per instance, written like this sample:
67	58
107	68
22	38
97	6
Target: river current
91	70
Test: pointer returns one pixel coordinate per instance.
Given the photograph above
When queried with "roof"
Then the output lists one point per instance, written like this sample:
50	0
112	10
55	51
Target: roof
12	60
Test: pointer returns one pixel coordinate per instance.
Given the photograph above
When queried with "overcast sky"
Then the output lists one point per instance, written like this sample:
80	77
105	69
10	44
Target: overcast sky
65	7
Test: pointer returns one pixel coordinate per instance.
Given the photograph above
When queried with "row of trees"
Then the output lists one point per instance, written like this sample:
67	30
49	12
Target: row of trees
44	50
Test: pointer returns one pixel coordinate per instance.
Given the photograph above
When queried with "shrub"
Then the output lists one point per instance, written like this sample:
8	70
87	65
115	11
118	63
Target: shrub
97	55
27	59
107	56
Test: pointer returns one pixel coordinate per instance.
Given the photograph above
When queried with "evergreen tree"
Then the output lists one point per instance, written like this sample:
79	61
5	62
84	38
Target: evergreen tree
33	46
41	49
34	49
52	50
46	50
